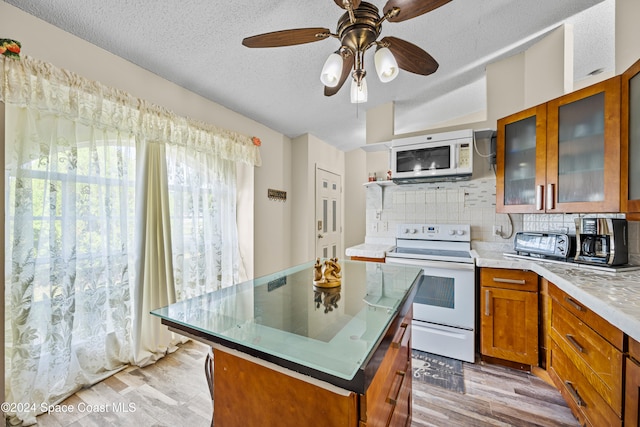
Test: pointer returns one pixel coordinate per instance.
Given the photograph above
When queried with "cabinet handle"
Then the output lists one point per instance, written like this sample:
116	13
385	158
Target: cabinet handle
574	393
510	281
551	196
539	197
574	343
487	302
397	344
394	400
573	304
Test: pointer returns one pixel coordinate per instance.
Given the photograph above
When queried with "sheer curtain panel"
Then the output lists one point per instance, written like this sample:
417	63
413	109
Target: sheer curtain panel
70	210
100	229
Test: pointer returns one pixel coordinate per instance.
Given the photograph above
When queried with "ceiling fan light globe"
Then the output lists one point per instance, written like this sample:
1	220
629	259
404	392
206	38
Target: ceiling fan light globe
359	92
386	65
331	71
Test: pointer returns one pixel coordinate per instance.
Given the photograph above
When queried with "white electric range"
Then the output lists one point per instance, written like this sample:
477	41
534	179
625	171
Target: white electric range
444	306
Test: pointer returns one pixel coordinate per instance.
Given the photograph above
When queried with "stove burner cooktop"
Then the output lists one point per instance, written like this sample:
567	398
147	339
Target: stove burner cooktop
432	252
438	242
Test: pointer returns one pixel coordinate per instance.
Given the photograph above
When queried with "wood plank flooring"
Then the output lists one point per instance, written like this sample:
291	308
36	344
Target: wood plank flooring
173	392
495	396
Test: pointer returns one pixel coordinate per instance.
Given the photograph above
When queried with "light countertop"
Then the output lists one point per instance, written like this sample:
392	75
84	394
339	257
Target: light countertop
613	296
369	250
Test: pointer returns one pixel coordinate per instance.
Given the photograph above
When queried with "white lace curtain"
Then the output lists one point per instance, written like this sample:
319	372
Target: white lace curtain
114	207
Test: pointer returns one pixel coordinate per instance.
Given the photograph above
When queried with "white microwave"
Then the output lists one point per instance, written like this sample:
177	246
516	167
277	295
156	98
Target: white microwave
439	157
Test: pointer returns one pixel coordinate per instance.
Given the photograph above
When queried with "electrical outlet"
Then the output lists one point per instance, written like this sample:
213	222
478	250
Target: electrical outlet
374	227
497	230
385	226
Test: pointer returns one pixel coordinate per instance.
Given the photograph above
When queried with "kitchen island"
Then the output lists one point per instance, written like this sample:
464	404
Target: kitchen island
288	353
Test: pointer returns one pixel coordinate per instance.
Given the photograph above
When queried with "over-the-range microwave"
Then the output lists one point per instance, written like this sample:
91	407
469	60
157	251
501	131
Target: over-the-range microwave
439	157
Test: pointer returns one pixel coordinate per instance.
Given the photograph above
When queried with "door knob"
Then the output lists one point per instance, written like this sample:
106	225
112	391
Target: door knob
320	236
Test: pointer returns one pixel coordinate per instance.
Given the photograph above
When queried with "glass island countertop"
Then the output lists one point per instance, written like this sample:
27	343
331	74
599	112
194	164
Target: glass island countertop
284	319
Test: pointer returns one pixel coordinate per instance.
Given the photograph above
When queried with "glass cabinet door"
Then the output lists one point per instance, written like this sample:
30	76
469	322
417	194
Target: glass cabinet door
583	158
630	142
520	161
581	150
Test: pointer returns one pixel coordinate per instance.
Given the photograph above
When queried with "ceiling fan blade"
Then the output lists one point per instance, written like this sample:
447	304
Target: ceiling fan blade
410	57
347	66
287	37
354	3
412	8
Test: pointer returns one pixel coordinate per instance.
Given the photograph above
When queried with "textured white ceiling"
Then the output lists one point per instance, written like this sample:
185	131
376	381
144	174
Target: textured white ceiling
197	44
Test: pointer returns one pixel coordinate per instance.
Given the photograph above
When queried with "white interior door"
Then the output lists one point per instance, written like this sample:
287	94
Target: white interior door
328	227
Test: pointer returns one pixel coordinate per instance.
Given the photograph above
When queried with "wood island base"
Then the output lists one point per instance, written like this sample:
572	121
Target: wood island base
249	394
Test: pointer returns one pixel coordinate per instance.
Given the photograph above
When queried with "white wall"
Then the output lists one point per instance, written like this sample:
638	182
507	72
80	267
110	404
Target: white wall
627	34
549	67
272	219
355	174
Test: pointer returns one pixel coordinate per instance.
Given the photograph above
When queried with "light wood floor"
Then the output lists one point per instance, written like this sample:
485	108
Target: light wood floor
173	392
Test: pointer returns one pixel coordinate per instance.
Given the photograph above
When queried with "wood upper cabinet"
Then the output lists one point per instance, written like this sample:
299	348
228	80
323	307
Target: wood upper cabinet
509	315
630	142
521	160
562	156
583	150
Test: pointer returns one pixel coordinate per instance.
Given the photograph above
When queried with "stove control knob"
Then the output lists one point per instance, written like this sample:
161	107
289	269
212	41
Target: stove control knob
406	231
452	232
460	232
413	231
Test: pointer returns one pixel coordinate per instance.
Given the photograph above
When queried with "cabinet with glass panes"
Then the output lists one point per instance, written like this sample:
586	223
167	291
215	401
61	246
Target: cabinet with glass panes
630	142
575	166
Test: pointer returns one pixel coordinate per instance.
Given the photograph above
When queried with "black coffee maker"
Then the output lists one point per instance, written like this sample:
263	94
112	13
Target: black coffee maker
601	241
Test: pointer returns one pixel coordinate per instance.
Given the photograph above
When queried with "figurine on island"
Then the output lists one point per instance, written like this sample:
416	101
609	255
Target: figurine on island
330	276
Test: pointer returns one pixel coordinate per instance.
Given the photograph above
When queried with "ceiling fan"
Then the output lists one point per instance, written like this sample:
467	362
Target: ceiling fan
358	30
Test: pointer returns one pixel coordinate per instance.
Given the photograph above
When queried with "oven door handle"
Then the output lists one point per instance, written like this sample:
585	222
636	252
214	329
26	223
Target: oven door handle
466	266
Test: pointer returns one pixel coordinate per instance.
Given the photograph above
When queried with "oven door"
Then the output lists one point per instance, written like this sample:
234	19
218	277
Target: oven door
446	292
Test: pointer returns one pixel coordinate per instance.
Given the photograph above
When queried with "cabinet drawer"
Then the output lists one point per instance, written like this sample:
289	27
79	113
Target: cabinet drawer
634	349
509	279
401	415
585	402
598	360
394	374
595	322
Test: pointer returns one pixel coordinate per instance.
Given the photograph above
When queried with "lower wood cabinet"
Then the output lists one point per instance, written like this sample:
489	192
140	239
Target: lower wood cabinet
583	354
509	315
586	361
632	385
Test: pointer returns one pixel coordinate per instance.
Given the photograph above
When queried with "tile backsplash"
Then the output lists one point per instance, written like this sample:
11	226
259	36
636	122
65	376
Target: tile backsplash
566	223
467	202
